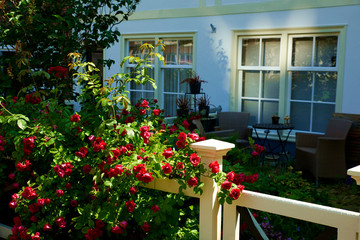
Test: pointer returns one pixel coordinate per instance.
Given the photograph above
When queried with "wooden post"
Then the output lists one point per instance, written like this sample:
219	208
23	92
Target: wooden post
210	209
355	174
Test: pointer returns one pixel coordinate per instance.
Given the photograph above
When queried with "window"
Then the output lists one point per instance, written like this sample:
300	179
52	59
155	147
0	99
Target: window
178	57
6	83
288	73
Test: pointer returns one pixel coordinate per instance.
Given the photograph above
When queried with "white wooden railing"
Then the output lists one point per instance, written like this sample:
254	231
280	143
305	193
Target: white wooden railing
346	222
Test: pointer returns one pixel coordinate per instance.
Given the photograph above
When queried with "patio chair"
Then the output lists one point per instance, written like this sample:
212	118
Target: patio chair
323	155
230	123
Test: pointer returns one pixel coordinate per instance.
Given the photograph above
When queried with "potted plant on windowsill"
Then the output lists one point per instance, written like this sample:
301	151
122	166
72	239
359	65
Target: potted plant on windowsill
183	105
204	106
275	119
194	83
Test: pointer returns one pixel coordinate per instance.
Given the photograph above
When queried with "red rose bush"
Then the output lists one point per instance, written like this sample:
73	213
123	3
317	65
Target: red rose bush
81	175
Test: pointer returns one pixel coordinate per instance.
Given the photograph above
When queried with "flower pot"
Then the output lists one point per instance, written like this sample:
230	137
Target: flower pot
182	112
195	87
275	120
204	111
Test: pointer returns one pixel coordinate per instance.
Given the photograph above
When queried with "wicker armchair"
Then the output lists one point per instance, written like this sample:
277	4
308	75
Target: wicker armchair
323	155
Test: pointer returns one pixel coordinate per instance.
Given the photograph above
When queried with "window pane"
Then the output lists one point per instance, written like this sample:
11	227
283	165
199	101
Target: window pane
251	107
300	115
250	85
151	58
302	52
171	81
148	95
185	52
325	86
322	114
271	52
250	52
268	109
184	73
135	96
134	48
170	52
271	84
326	50
170	104
301	85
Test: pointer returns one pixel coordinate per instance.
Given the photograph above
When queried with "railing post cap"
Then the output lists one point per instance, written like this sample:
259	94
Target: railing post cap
355	173
212	144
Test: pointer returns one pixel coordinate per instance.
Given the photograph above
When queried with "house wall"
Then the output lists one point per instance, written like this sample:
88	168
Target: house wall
214	51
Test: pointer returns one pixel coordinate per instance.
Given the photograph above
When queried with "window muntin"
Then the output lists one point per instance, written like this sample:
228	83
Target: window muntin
313	80
259	73
178	57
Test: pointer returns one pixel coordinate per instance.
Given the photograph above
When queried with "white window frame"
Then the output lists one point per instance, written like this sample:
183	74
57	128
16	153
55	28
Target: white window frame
285	67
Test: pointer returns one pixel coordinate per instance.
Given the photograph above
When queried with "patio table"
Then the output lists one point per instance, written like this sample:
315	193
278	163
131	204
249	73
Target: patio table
282	141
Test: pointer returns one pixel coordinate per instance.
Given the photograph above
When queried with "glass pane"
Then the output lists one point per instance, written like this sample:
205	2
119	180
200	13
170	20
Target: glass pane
325	86
271	52
271	84
268	109
171	81
184	73
185	52
301	85
250	84
170	104
134	48
302	52
300	115
148	95
148	85
322	114
325	51
134	86
251	107
170	52
250	52
135	97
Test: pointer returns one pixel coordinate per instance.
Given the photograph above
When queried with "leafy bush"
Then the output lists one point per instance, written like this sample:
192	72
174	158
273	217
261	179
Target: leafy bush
82	174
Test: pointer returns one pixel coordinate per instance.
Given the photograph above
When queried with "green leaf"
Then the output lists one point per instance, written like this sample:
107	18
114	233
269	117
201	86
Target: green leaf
21	124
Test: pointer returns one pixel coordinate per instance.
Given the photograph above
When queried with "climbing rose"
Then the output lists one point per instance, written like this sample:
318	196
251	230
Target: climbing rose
61	222
59	192
47	227
192	182
73	203
166	168
86	168
117	230
167	153
75	118
155	208
130	205
226	185
156	112
144	104
214	166
146	227
182	136
82	152
236	192
133	190
60	72
230	176
194	159
29	193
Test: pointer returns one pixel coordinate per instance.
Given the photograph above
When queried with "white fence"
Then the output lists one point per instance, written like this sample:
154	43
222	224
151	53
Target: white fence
346	222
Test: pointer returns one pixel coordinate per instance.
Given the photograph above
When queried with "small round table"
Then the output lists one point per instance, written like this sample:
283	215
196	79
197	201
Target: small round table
278	128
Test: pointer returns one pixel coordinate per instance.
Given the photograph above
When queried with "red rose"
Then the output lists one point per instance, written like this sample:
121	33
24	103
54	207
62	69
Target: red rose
13	204
123	224
34	219
144	104
192	182
193	136
99	224
29	193
214	166
47	227
61	222
41	202
155	208
235	193
86	168
230	176
182	136
146	227
156	112
68	186
36	236
194	159
73	203
180	165
82	152
167	153
130	205
59	192
166	168
239	178
117	230
146	178
254	154
133	190
185	124
75	118
180	144
226	185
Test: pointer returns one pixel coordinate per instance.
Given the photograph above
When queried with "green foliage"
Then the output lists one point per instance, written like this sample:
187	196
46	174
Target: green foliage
49	30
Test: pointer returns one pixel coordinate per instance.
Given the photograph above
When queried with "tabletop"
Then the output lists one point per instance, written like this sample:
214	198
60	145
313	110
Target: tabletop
270	126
